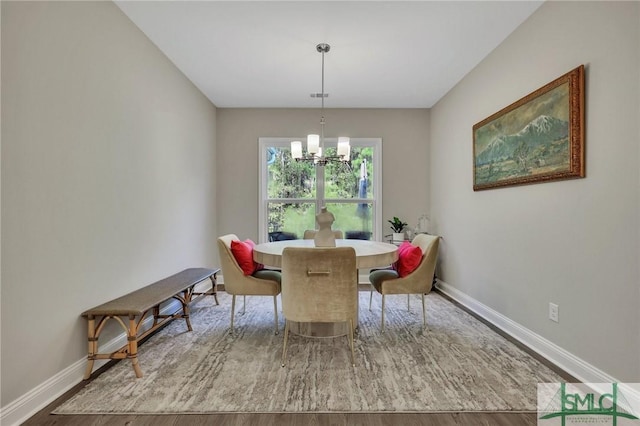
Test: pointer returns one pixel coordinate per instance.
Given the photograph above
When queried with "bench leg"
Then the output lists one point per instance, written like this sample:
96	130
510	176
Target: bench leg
156	314
133	346
185	309
186	300
93	343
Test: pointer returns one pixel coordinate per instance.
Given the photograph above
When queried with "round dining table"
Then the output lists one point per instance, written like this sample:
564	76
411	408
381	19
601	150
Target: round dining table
369	254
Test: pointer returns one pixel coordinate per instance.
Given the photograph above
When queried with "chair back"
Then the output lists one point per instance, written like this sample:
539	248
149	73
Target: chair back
310	234
358	235
282	236
429	245
319	284
231	271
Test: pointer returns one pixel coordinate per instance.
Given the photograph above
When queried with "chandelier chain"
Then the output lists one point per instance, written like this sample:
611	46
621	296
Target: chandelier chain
322	107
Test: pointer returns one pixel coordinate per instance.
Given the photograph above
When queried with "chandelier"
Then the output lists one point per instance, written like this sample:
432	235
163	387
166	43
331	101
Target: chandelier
315	142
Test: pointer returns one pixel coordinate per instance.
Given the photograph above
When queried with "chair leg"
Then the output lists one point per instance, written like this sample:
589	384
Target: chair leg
383	313
244	304
370	298
275	312
424	314
353	361
284	347
233	309
408	299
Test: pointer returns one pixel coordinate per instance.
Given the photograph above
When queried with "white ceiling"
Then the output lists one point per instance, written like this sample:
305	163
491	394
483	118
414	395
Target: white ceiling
384	54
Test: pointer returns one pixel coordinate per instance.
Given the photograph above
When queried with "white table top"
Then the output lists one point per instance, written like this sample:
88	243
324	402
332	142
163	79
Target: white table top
369	254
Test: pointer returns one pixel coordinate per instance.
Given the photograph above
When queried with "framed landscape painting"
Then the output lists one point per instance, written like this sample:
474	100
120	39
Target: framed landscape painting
538	138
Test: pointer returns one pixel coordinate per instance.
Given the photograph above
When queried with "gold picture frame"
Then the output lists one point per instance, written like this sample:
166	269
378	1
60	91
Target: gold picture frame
539	138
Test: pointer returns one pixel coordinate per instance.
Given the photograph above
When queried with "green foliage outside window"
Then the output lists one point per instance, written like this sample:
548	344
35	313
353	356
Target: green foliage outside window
297	180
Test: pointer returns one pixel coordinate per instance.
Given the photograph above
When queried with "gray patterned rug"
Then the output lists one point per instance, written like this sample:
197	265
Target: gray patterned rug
458	364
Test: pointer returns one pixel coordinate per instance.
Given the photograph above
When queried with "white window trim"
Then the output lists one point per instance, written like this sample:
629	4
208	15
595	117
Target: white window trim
264	142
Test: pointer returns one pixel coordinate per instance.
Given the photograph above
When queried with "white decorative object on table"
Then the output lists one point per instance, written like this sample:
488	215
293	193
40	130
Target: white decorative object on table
325	236
423	224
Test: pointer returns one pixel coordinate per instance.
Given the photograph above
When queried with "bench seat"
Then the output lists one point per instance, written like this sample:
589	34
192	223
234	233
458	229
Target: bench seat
137	305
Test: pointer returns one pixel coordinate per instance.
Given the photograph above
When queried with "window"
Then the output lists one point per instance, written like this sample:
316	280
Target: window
291	193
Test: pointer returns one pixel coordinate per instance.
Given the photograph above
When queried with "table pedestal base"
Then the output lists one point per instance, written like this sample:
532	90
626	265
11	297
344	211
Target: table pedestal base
319	329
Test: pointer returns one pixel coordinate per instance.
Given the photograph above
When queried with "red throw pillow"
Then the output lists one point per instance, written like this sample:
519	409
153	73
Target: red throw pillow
409	257
243	253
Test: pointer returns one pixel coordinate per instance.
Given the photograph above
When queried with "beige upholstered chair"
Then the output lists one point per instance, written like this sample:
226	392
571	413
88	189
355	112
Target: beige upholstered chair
310	234
387	281
319	285
262	283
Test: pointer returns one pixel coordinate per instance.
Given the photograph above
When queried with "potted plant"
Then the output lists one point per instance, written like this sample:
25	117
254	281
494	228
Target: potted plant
398	229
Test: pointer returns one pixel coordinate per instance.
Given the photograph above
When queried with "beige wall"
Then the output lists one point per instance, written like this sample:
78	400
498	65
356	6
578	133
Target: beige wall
574	243
404	134
108	181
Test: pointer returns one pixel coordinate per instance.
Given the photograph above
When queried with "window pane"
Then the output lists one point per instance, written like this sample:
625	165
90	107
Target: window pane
357	182
291	191
353	219
293	218
287	178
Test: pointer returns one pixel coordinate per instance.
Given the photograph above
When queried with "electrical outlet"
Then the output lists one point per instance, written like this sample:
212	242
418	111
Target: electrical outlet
553	312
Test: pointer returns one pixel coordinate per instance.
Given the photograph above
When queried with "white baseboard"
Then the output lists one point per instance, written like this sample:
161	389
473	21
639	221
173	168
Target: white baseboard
42	395
565	360
39	397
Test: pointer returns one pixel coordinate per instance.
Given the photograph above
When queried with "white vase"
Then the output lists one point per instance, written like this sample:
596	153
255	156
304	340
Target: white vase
398	236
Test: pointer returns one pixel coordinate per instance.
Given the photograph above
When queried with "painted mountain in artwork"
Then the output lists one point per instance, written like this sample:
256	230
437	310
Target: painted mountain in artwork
544	130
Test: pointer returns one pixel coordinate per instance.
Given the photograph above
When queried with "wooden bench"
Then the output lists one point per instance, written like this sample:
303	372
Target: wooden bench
139	304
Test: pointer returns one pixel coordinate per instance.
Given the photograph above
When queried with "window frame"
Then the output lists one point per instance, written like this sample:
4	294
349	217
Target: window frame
265	142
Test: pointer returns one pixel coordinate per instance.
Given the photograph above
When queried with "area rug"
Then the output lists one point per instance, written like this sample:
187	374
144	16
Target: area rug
457	364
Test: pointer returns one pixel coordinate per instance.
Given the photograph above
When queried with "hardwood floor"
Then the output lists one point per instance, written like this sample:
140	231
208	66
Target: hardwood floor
455	419
288	419
43	417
